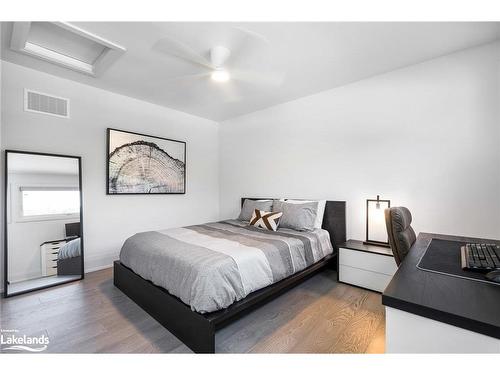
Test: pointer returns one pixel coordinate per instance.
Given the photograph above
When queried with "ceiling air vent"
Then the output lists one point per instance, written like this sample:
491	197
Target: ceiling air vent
47	104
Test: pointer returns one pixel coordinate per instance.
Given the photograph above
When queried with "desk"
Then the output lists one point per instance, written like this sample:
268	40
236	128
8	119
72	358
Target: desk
428	312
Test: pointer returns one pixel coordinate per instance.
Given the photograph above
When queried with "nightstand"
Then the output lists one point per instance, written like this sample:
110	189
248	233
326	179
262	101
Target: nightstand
367	266
49	251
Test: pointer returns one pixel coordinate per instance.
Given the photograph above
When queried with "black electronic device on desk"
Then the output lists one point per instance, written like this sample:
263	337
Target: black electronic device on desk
482	257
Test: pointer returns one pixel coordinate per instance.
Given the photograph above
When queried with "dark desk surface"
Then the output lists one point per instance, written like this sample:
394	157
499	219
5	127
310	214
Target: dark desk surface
460	302
360	246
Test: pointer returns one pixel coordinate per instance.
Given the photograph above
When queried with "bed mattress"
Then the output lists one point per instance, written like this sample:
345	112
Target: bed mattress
213	265
70	249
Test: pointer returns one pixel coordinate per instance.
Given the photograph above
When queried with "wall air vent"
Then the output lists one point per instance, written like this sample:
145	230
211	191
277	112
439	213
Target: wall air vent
47	104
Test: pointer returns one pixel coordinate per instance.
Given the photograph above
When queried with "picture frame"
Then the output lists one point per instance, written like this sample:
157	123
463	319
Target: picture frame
139	163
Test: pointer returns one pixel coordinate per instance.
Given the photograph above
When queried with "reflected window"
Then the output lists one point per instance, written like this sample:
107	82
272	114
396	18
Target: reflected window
49	201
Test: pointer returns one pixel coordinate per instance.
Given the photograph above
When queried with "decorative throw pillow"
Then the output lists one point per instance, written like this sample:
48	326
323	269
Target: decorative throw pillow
266	220
250	205
297	216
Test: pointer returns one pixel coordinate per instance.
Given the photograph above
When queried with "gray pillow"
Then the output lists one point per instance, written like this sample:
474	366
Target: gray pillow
297	216
249	206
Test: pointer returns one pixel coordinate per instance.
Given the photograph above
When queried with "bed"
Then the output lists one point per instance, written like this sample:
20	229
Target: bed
69	258
177	278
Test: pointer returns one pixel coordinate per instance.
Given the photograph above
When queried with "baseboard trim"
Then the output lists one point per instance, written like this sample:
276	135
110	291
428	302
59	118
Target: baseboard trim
16	278
98	268
99	261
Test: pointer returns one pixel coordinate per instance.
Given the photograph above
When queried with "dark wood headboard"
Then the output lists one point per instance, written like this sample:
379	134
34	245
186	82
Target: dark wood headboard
334	220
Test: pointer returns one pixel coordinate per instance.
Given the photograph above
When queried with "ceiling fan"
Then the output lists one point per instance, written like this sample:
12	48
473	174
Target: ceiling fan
225	63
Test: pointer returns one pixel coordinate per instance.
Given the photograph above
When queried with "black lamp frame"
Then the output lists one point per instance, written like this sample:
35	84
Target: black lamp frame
368	241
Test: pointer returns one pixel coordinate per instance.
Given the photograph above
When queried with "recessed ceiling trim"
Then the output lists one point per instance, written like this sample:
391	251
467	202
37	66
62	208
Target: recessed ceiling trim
58	58
20	43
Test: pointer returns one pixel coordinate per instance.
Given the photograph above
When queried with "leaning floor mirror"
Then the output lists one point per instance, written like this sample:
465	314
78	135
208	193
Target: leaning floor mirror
43	221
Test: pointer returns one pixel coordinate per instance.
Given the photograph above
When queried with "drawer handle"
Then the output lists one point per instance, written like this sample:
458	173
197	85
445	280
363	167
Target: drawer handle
54	266
55	253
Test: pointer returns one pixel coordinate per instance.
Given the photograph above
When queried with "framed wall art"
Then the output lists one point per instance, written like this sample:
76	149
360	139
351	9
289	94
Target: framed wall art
144	164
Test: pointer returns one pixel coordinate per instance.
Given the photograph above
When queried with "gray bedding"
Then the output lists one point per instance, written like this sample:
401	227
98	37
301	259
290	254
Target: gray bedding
211	266
70	249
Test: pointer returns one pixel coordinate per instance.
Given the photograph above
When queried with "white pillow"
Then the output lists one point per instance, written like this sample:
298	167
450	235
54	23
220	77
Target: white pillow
321	209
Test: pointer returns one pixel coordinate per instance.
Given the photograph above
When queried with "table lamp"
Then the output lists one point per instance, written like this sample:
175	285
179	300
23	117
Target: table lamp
376	231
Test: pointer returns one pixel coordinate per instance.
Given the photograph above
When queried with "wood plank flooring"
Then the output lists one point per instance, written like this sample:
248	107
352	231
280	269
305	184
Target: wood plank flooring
92	316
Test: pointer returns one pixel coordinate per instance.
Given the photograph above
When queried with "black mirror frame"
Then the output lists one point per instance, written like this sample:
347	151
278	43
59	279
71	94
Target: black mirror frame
5	273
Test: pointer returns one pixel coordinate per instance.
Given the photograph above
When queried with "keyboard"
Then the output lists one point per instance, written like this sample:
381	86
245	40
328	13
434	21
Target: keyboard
482	257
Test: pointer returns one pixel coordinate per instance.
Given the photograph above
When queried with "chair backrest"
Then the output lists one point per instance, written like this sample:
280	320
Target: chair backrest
401	234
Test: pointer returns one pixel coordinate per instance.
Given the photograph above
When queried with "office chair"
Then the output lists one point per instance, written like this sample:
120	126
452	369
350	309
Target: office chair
401	234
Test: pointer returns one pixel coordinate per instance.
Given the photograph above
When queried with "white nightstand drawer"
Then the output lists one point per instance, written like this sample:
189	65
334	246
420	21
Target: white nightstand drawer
51	261
52	246
377	263
49	253
51	268
366	279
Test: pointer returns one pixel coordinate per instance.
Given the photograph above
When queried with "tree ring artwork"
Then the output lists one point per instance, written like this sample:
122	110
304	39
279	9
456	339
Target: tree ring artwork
143	164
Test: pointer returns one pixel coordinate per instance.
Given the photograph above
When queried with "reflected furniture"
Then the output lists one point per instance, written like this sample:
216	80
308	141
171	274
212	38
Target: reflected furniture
48	255
51	263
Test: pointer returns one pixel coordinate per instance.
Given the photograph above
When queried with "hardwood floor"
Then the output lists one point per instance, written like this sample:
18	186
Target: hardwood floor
90	316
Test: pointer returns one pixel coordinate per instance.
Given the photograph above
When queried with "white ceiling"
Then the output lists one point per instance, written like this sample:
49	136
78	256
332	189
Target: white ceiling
313	56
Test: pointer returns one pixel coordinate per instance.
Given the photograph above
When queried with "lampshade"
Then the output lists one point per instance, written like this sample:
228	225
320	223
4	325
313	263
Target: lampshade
376	231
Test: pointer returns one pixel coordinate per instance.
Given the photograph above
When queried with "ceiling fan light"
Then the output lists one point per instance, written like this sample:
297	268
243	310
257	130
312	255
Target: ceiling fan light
220	76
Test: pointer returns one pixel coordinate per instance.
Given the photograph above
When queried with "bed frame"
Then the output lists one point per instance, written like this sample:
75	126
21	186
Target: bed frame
69	266
197	330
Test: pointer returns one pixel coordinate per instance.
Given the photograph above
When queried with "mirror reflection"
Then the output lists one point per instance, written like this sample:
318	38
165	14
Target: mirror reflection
44	245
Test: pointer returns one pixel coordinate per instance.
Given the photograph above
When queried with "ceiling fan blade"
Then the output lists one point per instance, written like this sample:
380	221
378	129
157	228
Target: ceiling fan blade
246	44
187	78
274	79
173	47
253	34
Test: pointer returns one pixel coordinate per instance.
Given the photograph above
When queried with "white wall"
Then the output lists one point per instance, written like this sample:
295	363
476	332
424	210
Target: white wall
426	137
109	220
26	236
1	173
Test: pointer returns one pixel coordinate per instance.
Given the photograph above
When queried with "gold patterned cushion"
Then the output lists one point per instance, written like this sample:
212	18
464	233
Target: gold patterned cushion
266	220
